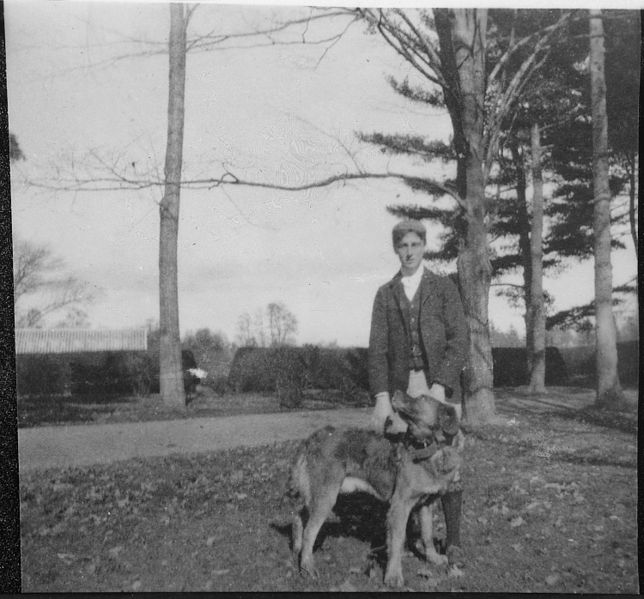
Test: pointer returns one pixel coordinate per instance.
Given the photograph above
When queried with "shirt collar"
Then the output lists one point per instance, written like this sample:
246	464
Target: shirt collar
415	278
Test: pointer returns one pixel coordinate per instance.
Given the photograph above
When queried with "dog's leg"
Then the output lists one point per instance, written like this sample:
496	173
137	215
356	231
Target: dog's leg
426	515
297	527
319	510
396	525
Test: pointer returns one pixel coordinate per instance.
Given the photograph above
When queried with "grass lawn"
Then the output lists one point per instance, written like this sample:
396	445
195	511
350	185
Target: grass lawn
550	506
45	411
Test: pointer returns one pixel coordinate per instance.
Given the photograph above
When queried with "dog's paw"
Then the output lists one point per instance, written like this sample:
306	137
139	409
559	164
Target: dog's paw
394	578
307	567
436	558
455	556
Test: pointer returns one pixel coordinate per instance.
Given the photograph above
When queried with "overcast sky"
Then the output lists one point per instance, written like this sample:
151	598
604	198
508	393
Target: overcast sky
286	114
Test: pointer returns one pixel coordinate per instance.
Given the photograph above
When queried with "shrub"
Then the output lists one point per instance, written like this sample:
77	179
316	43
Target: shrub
511	367
42	375
308	367
219	384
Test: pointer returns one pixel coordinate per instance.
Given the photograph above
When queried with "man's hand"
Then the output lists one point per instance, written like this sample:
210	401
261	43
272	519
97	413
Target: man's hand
381	412
437	391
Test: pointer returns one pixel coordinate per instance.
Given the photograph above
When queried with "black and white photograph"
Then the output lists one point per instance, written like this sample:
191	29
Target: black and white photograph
321	298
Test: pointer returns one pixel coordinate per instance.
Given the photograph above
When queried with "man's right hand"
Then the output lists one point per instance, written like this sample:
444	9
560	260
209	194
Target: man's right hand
381	412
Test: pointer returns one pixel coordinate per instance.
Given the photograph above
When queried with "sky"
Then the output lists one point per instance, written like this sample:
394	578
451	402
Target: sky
85	83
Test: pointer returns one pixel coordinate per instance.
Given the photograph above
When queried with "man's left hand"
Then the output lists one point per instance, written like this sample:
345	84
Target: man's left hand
437	391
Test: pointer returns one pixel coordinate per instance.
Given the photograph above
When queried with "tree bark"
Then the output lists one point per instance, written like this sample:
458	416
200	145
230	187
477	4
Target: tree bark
609	392
537	316
524	243
170	369
466	39
631	200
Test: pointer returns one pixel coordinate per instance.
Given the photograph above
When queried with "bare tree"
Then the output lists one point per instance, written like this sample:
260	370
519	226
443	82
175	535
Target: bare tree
170	369
38	274
245	336
609	392
536	321
282	324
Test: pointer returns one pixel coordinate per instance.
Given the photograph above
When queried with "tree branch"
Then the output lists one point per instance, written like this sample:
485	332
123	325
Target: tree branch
121	183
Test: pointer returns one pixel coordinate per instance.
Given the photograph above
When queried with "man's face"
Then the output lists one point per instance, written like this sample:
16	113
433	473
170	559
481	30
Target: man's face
410	250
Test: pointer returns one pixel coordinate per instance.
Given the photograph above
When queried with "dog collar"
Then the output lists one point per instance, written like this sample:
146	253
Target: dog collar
421	450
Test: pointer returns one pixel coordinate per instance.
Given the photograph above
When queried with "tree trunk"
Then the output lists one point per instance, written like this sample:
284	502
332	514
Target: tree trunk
524	244
631	200
170	370
609	392
537	316
467	45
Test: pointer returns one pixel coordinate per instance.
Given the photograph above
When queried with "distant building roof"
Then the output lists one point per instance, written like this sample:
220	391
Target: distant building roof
69	341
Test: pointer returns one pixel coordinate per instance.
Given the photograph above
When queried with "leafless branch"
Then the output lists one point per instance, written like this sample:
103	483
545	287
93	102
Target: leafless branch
543	33
122	183
508	285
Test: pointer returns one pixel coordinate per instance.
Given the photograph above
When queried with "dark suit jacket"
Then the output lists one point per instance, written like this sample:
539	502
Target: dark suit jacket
443	332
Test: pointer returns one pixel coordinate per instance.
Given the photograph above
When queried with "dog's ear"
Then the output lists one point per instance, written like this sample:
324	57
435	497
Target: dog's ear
448	419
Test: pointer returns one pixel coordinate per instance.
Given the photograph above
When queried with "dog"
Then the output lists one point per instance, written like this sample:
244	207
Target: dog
403	470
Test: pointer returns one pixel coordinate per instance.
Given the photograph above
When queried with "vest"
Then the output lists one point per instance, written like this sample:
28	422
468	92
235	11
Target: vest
412	317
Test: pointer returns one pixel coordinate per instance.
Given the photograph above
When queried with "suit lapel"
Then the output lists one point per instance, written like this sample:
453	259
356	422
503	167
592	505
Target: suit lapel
399	295
427	287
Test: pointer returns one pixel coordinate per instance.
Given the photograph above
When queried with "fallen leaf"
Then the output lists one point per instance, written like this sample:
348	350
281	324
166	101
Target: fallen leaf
210	541
517	547
518	521
114	551
347	587
57	487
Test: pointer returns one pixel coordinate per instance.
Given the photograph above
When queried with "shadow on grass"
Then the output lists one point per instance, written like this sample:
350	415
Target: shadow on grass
606	418
359	516
581	409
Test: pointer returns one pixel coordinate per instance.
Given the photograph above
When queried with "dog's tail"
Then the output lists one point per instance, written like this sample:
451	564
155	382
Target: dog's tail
299	484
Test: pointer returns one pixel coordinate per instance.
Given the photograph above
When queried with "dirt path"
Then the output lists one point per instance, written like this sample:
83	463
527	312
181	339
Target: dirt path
83	445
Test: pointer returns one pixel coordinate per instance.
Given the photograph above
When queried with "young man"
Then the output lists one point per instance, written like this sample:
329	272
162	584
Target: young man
418	344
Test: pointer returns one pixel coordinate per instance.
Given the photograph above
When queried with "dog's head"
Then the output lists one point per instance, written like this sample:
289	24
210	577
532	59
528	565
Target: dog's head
426	417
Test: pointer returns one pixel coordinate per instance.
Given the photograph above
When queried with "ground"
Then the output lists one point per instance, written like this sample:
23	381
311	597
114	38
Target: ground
39	411
550	506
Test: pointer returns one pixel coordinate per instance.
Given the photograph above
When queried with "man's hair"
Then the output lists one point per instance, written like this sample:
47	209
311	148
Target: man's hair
408	226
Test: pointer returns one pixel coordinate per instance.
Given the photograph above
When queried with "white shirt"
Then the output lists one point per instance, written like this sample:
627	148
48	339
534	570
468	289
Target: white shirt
412	282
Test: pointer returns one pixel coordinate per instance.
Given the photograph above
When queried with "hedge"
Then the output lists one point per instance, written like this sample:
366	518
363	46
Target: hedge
580	361
258	369
94	373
